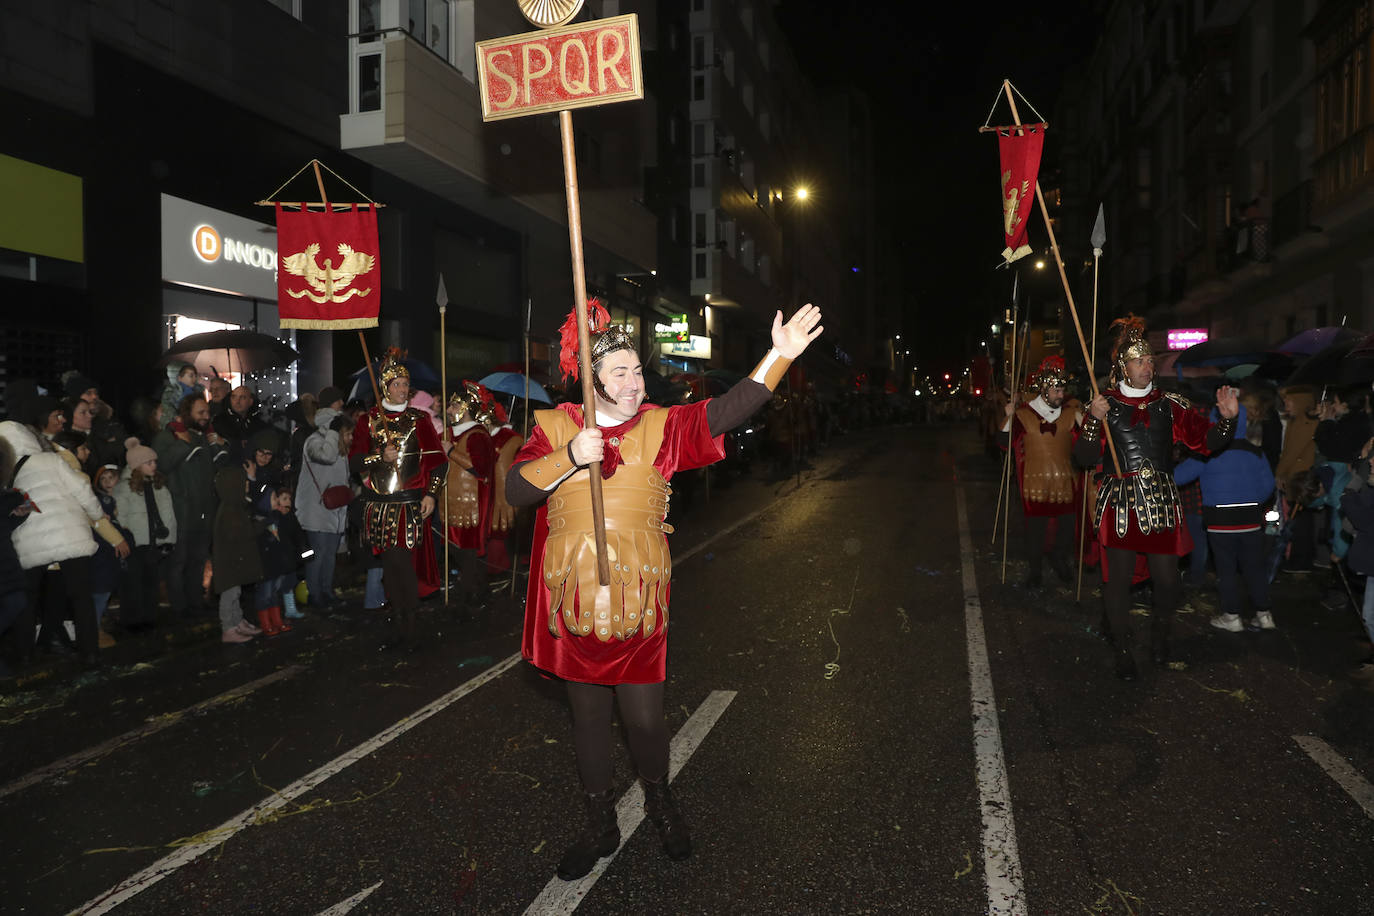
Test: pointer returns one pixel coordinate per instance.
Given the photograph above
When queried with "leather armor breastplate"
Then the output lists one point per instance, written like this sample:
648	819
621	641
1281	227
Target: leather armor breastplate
1139	442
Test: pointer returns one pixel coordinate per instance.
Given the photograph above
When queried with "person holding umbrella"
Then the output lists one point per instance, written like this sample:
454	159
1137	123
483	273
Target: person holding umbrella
401	461
608	642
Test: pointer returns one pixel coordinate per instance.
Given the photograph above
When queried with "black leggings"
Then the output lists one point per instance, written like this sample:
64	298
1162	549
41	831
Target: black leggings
641	712
1116	593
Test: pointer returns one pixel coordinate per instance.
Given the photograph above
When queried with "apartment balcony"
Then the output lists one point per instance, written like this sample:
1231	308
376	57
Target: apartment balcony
415	115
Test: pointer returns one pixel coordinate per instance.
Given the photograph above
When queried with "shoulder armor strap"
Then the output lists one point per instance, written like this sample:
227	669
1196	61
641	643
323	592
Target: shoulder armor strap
1178	399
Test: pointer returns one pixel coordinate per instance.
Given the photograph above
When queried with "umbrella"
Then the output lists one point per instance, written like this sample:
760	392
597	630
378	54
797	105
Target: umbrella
1224	352
513	383
421	376
1169	365
1337	365
1314	340
237	350
729	378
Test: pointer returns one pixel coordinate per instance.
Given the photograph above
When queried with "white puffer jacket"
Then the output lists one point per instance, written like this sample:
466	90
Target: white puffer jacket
132	510
67	507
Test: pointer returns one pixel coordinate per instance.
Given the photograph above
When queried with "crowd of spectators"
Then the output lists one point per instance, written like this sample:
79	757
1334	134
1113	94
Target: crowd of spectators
187	510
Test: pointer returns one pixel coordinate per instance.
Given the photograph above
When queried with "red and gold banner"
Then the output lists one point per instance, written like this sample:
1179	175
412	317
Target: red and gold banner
1020	148
327	273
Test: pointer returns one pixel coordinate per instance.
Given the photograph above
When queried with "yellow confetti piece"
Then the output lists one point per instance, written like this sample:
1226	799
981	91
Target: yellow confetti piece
1111	895
540	848
967	869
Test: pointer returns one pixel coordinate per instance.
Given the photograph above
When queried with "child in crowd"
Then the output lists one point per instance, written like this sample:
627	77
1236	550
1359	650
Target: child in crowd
234	553
145	508
1237	484
106	566
282	548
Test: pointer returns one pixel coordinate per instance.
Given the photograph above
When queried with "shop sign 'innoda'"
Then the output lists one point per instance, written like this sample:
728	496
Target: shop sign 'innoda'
576	66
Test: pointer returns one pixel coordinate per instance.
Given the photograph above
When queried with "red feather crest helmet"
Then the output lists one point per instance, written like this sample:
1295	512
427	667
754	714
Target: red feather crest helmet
1129	342
1051	373
605	338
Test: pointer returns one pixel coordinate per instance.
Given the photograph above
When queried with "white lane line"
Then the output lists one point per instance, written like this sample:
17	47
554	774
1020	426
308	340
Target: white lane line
562	897
151	728
347	906
163	867
1001	857
1339	769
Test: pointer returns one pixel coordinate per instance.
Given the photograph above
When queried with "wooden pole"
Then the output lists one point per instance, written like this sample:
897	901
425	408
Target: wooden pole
1064	278
1092	374
1006	506
443	418
524	434
1011	399
584	344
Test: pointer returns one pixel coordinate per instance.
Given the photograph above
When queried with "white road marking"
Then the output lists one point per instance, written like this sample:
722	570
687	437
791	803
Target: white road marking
1339	769
1001	857
346	906
151	728
562	897
163	867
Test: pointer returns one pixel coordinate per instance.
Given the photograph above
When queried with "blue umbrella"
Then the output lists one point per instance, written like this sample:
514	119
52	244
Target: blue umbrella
513	383
421	376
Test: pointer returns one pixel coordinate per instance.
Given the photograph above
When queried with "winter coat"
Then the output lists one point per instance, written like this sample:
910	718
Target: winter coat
61	529
236	430
190	471
281	544
1239	474
1341	439
106	438
133	510
106	566
11	571
1357	506
234	549
323	467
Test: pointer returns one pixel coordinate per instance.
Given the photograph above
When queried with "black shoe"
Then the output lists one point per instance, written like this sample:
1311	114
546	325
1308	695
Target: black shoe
672	826
56	646
1033	581
1125	666
600	838
1063	570
1105	630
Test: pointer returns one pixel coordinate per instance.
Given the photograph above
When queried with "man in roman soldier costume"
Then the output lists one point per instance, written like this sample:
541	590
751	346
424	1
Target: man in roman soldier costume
506	442
609	642
472	459
401	461
1138	509
1042	435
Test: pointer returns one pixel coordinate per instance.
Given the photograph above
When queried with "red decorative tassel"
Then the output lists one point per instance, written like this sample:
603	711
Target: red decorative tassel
597	319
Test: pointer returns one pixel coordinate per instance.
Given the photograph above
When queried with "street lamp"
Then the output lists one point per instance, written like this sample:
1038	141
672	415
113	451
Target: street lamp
801	192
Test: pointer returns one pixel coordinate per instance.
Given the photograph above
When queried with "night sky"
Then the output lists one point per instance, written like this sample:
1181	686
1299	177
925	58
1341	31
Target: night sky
937	176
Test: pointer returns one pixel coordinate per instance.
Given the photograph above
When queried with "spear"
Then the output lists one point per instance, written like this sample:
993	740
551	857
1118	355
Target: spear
1063	277
1011	399
1006	507
1098	239
441	297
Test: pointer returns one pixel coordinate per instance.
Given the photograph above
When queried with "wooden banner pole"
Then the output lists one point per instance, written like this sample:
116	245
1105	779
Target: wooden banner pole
584	345
1092	373
1064	278
443	418
1011	399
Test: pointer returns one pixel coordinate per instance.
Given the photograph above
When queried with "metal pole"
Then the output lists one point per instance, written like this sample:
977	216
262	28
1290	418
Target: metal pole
443	417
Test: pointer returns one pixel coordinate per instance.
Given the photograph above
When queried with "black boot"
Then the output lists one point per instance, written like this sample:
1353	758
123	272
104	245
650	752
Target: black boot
601	837
663	811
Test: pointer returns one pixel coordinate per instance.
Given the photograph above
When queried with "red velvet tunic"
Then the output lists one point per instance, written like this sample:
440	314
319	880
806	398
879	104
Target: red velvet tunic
687	444
478	444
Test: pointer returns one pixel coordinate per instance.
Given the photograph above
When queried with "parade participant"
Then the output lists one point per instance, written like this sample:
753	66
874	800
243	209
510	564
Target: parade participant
471	462
1042	434
608	643
506	442
1138	510
401	461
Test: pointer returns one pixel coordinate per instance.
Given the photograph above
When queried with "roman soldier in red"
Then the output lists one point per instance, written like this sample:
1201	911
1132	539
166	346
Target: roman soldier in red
472	461
1042	437
609	643
1138	510
401	461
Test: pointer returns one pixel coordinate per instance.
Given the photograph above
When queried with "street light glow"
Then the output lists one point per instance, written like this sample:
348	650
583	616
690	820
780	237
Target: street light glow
802	192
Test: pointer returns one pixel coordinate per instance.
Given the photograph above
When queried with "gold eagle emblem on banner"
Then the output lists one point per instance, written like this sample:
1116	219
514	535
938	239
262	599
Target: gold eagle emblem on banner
331	284
1011	203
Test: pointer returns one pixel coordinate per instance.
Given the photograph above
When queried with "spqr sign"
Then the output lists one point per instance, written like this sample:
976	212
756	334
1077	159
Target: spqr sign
576	66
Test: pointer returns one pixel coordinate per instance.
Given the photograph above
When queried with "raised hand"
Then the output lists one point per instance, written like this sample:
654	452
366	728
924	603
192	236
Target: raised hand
1228	404
792	339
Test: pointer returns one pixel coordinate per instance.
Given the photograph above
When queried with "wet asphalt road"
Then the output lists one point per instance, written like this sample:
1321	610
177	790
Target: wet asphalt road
839	776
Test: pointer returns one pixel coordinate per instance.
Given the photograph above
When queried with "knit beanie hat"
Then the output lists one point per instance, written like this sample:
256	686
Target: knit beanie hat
75	384
38	408
137	453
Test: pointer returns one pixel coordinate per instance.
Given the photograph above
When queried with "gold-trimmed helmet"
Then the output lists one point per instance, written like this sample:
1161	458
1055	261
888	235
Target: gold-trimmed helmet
1129	343
393	367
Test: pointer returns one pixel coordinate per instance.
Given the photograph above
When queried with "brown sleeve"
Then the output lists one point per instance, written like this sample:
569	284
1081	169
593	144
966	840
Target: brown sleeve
735	406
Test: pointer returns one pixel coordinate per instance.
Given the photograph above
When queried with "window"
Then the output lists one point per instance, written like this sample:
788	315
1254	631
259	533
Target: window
700	272
698	89
428	22
698	139
699	175
699	53
699	233
369	82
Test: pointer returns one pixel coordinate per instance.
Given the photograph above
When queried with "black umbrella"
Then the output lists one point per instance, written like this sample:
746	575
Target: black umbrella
238	350
1336	366
1224	352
